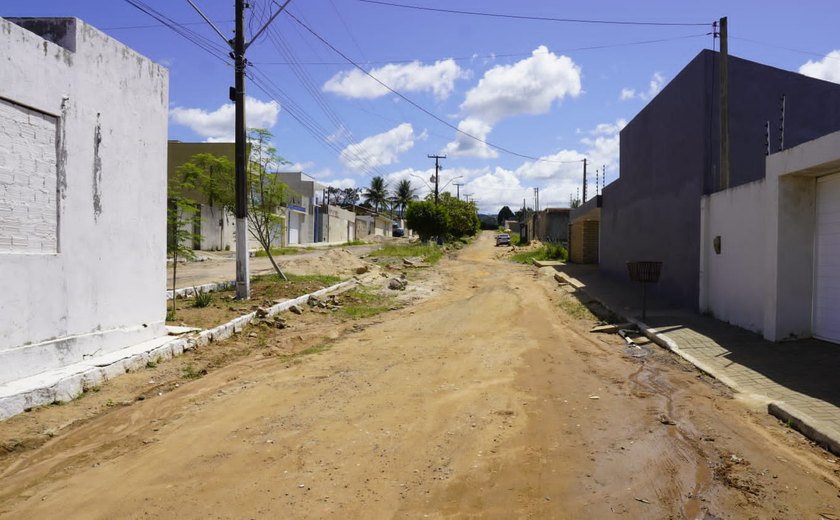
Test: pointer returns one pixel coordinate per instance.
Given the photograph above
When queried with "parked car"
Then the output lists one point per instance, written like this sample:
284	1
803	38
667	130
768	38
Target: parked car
397	231
503	239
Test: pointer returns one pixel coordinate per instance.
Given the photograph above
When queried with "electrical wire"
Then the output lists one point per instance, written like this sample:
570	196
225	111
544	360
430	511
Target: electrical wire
156	25
494	56
210	46
536	18
811	53
409	100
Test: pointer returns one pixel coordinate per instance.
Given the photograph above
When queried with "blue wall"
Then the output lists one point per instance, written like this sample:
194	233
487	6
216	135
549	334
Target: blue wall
669	159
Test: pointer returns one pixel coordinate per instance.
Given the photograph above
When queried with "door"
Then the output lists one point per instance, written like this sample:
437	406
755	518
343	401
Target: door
827	260
294	228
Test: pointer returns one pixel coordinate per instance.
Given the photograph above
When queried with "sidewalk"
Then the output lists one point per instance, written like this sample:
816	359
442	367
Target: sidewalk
797	380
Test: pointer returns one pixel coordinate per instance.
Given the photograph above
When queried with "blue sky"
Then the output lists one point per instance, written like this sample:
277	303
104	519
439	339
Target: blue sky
548	93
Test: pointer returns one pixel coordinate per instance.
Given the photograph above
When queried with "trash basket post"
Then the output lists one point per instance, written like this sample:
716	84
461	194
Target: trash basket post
645	272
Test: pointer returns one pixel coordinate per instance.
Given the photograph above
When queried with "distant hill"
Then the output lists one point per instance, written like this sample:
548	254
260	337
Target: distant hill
488	221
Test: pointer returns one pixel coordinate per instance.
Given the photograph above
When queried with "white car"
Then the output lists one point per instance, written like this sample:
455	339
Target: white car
502	239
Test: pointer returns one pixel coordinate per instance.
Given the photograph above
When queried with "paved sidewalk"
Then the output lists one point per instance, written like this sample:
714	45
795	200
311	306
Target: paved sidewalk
797	380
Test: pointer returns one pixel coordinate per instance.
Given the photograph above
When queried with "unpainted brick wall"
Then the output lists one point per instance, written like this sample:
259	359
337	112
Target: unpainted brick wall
28	177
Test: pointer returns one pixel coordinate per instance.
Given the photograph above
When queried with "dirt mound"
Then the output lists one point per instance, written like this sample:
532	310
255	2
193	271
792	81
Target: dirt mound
335	262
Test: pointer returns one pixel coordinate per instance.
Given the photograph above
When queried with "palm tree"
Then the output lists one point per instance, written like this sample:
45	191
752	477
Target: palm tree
377	193
403	195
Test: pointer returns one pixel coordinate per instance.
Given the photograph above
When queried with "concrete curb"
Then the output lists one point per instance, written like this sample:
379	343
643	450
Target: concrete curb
814	429
207	287
68	383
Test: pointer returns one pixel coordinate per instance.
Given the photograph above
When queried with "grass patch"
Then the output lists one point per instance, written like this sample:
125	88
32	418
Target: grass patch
353	243
575	309
546	252
515	239
430	253
362	302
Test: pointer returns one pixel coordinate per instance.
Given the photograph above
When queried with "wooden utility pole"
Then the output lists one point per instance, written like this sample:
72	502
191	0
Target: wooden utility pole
724	105
437	176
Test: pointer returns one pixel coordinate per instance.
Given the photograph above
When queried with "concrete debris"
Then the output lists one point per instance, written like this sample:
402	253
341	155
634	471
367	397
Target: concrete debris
397	285
262	312
296	309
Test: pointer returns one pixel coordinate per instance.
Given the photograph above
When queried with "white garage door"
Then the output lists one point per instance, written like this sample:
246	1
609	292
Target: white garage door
294	228
827	260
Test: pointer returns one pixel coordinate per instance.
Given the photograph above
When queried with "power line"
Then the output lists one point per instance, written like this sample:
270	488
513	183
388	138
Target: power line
537	18
800	51
409	100
490	56
157	25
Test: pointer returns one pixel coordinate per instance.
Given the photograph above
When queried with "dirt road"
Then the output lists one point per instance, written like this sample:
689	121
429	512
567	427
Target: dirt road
487	400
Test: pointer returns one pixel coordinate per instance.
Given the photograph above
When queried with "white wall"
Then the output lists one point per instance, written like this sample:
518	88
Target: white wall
337	220
100	287
732	282
791	201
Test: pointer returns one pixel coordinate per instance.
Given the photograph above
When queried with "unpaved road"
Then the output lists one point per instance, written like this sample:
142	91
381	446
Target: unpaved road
487	400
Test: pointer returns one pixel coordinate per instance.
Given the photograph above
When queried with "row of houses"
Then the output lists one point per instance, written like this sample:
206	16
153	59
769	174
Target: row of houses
307	218
760	249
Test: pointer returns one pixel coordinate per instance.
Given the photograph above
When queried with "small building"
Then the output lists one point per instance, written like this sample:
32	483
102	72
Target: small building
83	126
548	225
584	232
303	217
339	225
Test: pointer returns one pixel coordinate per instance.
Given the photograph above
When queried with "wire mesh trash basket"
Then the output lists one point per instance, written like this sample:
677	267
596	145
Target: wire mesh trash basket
644	272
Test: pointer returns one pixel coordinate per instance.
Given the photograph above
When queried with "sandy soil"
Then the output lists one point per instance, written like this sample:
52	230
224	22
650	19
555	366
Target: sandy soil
487	399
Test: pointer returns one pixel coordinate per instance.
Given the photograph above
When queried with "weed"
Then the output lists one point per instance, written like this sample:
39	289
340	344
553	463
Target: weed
353	243
190	372
170	315
202	298
109	403
547	252
279	251
151	364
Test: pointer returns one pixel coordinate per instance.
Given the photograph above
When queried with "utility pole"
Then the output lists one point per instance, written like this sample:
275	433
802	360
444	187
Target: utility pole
724	105
584	182
458	185
243	278
237	95
437	176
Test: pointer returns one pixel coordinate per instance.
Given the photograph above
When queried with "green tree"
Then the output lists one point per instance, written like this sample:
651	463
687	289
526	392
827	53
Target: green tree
181	215
504	214
462	217
403	195
427	219
267	195
377	194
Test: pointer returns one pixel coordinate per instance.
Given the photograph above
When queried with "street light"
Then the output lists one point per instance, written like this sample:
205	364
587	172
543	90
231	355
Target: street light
450	180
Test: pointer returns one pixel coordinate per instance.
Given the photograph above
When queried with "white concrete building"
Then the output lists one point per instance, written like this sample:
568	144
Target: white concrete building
303	219
340	225
770	249
83	127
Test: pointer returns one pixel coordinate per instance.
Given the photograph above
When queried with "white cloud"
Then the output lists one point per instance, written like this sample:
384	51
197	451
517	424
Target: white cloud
529	86
827	68
654	86
340	183
218	125
300	167
379	150
438	78
562	165
466	146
